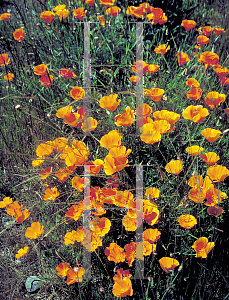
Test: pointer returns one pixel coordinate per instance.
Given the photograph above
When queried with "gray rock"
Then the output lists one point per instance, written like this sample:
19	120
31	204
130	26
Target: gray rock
32	284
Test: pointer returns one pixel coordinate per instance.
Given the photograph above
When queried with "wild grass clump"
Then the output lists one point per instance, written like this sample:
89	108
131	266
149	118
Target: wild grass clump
114	139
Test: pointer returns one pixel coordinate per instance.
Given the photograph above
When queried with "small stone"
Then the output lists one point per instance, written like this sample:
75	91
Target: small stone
32	284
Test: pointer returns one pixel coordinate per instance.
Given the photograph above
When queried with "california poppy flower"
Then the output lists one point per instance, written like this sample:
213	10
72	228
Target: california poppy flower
80	183
9	77
161	49
45	149
214	99
41	70
215	210
138	12
182	58
188	24
75	275
152	68
115	253
67	74
107	2
208	58
202	40
90	2
75	155
195	113
51	194
206	30
194	94
61	11
6	202
149	134
191	82
116	160
4	59
62	269
217	173
89	124
168	264
122	286
218	31
22	252
134	79
187	221
63	174
194	150
143	110
199	188
202	247
221	72
47	16
19	35
155	94
211	134
5	17
156	15
169	116
70	237
126	118
151	235
113	11
46	80
34	231
94	167
130	252
79	13
109	102
102	20
224	81
112	139
214	196
75	211
174	166
210	158
45	173
140	67
100	226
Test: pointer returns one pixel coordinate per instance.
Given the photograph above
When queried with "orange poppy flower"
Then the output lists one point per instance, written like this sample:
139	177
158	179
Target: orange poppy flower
211	134
6	202
37	162
151	235
155	94
214	196
66	73
21	216
75	155
217	173
116	160
75	211
62	269
224	81
182	58
174	167
151	213
94	167
168	264
115	253
153	68
187	221
161	126
218	31
144	120
122	199
44	149
47	16
195	113
90	2
70	237
51	194
226	110
138	12
202	40
62	13
46	80
12	208
22	252
156	15
75	275
130	252
135	79
126	118
140	67
102	20
202	247
107	2
194	150
162	49
5	17
214	99
77	92
109	102
80	183
194	94
113	11
149	134
34	231
63	174
191	82
122	286
112	139
188	24
221	72
143	110
208	58
9	77
4	59
152	193
206	30
215	210
210	158
100	226
19	35
200	187
89	124
41	70
170	116
79	13
46	172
